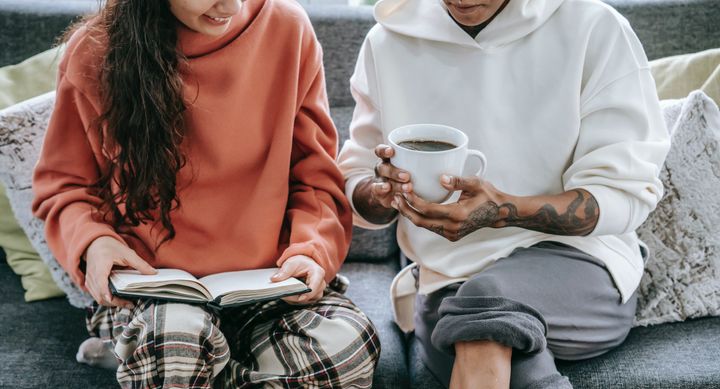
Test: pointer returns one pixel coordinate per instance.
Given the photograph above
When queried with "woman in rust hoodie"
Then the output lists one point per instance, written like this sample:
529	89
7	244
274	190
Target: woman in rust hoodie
195	134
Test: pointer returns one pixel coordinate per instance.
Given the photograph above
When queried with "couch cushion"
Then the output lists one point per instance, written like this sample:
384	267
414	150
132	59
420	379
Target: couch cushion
39	342
667	356
342	117
420	376
369	289
340	30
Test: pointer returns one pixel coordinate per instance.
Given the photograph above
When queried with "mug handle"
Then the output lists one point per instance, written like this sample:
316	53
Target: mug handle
483	161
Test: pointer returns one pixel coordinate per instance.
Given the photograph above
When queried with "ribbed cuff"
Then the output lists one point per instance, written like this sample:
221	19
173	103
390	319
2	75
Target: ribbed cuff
350	184
615	210
501	320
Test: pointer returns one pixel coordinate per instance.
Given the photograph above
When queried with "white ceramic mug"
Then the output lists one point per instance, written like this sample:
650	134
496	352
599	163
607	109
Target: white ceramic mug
427	167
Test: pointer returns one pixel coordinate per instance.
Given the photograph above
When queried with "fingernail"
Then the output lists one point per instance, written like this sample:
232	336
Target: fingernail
108	297
446	179
276	275
394	204
302	298
403	176
385	186
406	187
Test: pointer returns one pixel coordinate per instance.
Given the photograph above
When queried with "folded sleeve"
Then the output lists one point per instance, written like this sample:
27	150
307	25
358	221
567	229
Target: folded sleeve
357	158
623	140
67	169
319	215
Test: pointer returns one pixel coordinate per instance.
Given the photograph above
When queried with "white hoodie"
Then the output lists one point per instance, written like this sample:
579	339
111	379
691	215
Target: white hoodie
556	93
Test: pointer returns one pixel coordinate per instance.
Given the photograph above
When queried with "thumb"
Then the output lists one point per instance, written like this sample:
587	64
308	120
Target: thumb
287	270
465	184
137	263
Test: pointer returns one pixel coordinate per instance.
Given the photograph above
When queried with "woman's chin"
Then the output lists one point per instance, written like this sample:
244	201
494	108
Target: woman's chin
213	31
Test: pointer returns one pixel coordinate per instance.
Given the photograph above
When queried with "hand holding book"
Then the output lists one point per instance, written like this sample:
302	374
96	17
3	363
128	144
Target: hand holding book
302	266
100	257
218	290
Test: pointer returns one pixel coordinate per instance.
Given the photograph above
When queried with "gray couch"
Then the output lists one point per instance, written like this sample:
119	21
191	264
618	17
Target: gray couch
39	340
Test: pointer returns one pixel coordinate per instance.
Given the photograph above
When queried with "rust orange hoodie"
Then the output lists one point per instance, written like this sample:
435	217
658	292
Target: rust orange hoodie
260	184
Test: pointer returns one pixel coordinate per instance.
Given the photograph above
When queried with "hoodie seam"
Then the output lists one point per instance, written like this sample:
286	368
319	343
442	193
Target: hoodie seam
376	86
611	83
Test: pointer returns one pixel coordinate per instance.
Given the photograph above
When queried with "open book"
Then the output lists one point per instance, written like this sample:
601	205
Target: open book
217	290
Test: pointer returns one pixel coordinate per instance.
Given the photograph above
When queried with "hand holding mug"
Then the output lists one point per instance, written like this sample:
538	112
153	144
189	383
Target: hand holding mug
479	206
389	180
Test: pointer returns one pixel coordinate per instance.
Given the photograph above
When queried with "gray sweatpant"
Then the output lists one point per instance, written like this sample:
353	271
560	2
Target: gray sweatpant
546	301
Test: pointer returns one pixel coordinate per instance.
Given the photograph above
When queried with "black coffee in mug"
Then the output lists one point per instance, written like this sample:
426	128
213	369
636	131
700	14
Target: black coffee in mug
426	145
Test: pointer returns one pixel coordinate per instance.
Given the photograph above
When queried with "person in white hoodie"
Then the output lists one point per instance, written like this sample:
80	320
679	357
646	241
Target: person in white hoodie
539	258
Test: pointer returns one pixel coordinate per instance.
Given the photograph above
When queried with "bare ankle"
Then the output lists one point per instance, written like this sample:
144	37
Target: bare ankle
481	364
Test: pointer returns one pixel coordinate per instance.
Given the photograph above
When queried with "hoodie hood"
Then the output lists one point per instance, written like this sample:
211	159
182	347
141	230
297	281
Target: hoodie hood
429	19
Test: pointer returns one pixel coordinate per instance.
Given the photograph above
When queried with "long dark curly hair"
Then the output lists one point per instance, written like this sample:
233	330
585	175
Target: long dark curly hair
142	125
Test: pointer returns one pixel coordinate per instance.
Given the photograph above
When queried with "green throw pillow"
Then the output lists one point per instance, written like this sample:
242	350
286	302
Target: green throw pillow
30	78
22	258
677	76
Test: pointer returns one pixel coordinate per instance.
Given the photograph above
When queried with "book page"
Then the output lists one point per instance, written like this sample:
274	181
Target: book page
255	283
133	281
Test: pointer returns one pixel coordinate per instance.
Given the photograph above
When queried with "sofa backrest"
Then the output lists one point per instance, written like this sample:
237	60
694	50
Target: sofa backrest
666	27
671	27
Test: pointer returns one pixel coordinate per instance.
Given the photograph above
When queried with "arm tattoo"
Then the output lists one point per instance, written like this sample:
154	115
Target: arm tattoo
484	216
438	229
549	220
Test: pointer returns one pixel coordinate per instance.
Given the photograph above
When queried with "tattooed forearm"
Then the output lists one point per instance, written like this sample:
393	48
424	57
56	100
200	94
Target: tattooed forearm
483	216
574	213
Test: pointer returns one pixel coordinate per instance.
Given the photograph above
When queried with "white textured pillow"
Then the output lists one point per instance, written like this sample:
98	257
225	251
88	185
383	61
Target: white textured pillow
682	276
22	130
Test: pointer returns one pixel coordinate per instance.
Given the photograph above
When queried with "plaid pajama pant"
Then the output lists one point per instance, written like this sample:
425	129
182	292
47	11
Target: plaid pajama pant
329	344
